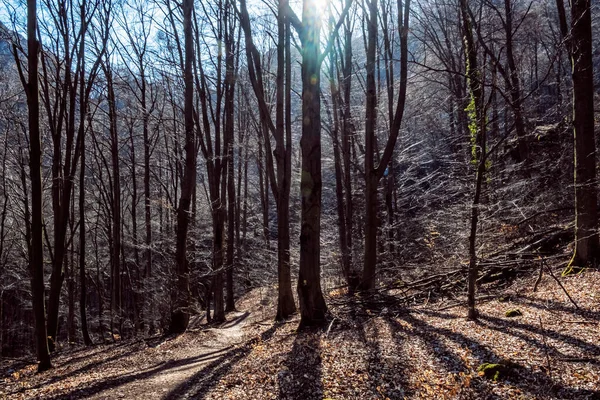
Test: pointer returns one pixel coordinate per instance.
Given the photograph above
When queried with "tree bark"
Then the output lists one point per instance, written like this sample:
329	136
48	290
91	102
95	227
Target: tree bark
36	256
374	174
180	316
586	213
230	138
477	126
310	296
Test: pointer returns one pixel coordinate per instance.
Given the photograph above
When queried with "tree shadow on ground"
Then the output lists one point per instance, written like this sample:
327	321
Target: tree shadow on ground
115	382
234	321
551	305
385	365
197	386
86	367
523	331
453	352
302	377
527	380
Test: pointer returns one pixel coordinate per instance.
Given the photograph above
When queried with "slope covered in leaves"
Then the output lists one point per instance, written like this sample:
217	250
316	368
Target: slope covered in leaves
373	348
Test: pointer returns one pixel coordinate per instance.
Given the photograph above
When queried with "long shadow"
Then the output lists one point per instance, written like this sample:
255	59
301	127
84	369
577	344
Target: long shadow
303	377
72	360
573	341
197	386
528	381
534	383
556	306
83	369
511	327
502	325
390	377
115	382
235	321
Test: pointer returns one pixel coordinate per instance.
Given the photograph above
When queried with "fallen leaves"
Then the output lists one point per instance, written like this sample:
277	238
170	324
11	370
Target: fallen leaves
417	353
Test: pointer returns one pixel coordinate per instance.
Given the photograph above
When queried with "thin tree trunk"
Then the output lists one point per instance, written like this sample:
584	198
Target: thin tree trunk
230	177
36	256
283	150
180	315
478	124
374	174
371	181
116	293
339	190
82	227
515	86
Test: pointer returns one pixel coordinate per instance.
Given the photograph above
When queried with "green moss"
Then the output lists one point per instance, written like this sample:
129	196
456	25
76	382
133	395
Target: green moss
513	313
493	371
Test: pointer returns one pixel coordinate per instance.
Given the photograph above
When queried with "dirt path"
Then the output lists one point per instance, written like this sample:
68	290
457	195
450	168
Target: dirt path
181	367
181	373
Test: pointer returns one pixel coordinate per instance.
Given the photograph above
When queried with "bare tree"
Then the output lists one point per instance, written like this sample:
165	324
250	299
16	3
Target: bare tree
579	46
180	315
374	174
35	247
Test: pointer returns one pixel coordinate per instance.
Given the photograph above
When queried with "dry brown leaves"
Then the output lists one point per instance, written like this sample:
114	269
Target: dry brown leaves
372	350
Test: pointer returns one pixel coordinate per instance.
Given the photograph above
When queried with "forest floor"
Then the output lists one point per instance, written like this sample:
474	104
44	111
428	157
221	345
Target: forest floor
372	348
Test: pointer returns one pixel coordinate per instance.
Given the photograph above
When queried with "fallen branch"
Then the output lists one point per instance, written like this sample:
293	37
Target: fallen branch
559	283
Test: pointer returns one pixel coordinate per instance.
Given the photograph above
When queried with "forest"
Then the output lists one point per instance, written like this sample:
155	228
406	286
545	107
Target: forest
299	199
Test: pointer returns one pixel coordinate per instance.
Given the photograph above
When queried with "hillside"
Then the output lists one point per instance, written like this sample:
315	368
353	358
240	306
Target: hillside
373	348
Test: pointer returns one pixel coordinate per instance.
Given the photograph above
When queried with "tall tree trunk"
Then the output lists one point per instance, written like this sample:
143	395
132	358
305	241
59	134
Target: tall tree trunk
477	125
371	181
586	213
138	313
230	177
148	296
339	189
310	296
180	315
347	134
283	150
36	256
515	84
82	246
116	292
82	227
374	174
281	130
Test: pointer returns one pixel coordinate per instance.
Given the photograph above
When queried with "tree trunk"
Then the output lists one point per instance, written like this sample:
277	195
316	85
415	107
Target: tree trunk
586	214
116	290
371	181
477	124
82	239
283	150
312	304
374	174
515	84
180	315
36	256
230	177
339	189
347	134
